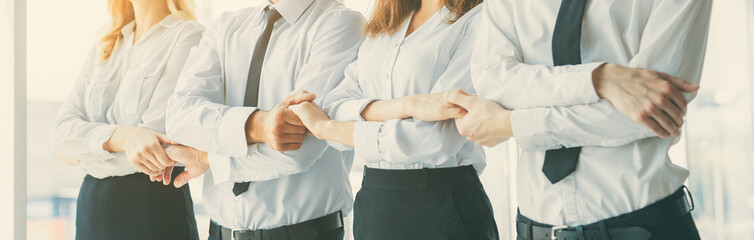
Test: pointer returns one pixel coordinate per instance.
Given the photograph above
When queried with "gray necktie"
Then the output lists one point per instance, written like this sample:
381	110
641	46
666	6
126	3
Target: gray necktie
566	50
252	82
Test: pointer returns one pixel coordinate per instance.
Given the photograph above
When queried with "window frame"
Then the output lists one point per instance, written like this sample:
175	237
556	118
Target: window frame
19	119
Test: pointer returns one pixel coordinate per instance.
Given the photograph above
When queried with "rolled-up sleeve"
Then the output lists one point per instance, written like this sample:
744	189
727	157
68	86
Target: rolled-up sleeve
73	135
499	70
674	41
200	119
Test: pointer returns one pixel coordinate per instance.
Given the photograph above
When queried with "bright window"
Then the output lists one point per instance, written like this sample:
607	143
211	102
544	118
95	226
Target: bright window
717	145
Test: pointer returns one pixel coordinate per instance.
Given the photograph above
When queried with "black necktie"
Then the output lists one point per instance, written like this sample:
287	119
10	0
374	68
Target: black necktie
252	82
566	50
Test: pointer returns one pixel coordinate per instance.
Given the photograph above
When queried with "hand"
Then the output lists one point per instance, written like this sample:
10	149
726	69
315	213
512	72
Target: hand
432	107
650	98
279	128
312	116
296	98
195	161
486	123
142	147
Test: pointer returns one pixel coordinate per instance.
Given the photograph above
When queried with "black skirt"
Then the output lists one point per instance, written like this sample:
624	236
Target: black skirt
133	207
443	203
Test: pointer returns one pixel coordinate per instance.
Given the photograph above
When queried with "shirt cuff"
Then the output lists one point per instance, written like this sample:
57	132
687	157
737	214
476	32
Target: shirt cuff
231	135
220	167
365	140
530	129
101	135
350	111
580	90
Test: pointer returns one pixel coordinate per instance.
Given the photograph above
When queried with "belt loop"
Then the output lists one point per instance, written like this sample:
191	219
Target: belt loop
691	198
580	233
529	230
425	171
603	229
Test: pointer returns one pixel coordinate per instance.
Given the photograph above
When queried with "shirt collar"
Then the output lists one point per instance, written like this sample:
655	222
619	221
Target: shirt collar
291	10
168	22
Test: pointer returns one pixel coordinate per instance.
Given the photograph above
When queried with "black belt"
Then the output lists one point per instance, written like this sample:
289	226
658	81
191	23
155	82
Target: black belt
308	230
629	226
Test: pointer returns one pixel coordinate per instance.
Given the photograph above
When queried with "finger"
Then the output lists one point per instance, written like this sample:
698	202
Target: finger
149	163
303	97
679	100
152	178
454	112
166	175
161	156
143	168
292	138
460	98
182	179
291	118
680	83
671	110
165	139
653	125
153	159
289	147
667	123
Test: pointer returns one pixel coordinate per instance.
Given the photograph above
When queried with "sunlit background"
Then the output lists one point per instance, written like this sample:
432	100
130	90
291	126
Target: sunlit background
716	147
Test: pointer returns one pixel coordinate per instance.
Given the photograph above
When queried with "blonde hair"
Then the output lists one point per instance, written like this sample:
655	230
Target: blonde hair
122	13
389	14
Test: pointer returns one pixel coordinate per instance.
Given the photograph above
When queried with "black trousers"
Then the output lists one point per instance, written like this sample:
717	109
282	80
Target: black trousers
681	228
445	203
133	207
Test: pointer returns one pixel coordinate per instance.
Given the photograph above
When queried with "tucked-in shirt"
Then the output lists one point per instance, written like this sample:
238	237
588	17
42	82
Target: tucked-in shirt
130	88
434	58
308	50
623	166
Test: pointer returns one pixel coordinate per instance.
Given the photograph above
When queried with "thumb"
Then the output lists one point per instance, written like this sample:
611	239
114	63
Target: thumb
303	97
460	98
182	179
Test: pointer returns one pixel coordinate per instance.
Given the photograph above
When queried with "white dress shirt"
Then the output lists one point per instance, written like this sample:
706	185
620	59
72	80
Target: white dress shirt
623	166
308	50
434	58
131	88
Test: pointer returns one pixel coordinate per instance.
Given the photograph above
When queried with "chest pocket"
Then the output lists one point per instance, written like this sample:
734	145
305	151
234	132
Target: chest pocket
136	89
100	91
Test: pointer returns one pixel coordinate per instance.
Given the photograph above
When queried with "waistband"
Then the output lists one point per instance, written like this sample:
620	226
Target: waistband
419	179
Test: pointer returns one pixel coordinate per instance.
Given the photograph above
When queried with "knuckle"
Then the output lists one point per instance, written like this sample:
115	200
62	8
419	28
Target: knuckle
650	108
642	115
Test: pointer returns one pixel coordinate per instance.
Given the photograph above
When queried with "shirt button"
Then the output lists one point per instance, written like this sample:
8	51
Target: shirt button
387	76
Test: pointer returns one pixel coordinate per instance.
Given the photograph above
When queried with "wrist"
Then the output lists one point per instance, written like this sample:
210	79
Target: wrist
113	144
602	77
323	129
505	128
255	126
406	106
201	156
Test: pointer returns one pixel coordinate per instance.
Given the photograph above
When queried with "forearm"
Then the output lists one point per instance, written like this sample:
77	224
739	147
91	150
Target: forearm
384	110
597	124
264	163
337	131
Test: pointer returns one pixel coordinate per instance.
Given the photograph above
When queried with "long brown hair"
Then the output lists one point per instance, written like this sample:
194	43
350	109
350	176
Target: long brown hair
389	14
122	13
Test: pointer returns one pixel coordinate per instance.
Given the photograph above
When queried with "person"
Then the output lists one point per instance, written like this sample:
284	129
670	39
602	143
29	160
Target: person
266	178
113	122
598	91
421	176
